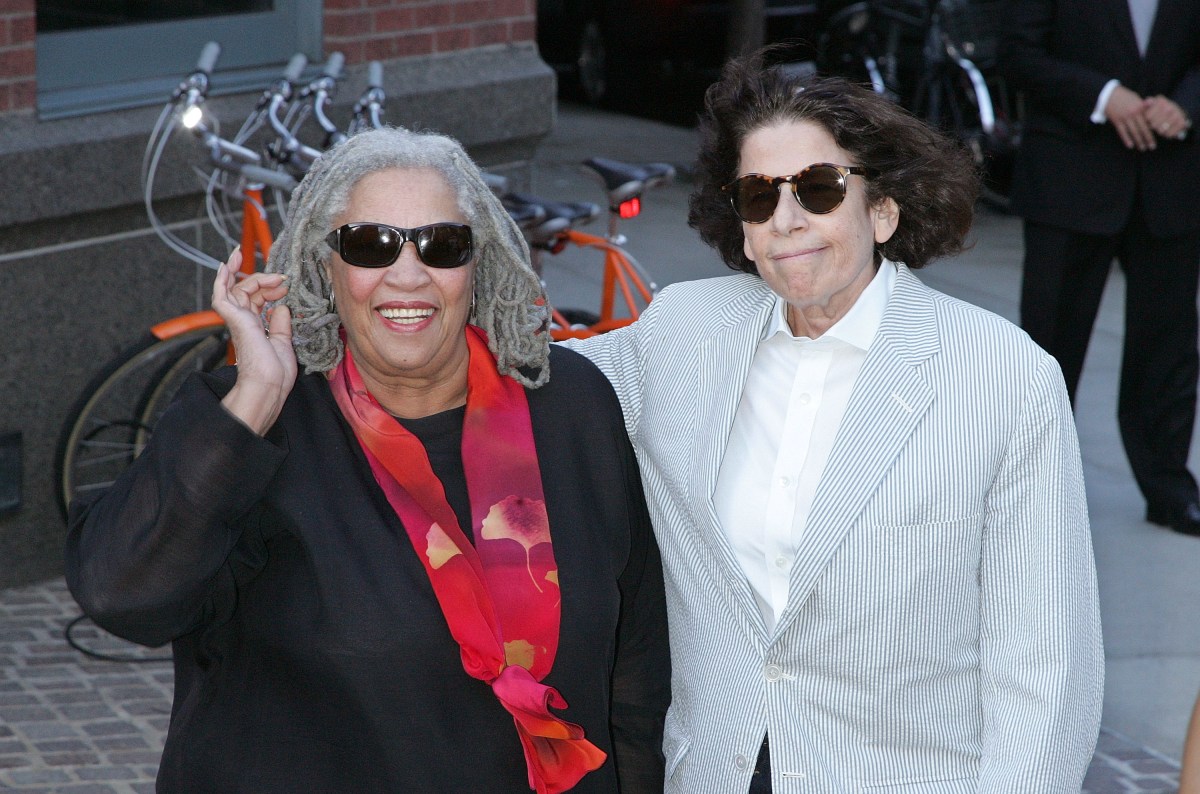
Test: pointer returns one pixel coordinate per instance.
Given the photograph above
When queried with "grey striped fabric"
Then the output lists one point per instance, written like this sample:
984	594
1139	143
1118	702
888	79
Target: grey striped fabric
942	632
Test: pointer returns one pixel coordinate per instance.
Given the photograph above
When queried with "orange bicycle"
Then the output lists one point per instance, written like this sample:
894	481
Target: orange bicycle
550	227
112	421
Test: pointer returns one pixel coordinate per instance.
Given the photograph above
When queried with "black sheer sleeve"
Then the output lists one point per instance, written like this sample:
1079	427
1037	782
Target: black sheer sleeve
150	558
641	686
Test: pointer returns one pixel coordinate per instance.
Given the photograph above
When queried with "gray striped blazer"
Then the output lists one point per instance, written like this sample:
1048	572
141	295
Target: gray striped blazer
942	632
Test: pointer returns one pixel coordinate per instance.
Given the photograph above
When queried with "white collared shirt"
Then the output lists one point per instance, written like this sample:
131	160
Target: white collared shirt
791	407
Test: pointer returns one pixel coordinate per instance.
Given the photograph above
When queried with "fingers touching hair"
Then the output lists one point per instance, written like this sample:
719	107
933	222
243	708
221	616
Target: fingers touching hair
510	303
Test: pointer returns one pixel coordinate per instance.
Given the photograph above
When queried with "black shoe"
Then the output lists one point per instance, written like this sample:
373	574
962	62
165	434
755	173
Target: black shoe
1185	520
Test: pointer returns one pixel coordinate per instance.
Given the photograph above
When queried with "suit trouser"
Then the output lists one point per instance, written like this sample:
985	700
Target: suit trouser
1061	287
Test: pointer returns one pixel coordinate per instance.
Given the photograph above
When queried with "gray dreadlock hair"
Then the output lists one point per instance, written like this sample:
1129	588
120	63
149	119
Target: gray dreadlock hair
510	303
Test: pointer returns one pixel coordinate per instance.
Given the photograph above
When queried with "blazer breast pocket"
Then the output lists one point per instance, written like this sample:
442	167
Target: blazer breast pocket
903	556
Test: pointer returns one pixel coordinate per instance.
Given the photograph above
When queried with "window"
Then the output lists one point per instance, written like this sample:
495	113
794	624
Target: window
95	55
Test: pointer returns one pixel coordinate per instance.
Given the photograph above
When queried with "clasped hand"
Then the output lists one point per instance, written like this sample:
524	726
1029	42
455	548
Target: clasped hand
1140	121
266	362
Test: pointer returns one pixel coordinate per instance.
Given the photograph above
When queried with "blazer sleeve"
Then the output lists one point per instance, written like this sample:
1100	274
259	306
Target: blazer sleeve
621	354
1028	58
1186	94
1042	660
150	559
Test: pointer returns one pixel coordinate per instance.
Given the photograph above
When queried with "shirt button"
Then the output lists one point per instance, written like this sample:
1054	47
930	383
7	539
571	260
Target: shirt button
740	761
785	481
773	672
805	398
781	562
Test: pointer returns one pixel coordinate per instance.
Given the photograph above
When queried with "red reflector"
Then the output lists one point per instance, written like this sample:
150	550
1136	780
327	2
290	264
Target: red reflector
631	208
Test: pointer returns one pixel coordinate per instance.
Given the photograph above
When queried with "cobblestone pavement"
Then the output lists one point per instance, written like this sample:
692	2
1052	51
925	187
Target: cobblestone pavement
73	724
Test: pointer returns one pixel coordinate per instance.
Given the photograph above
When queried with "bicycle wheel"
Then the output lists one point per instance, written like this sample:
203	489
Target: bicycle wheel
579	317
847	48
204	356
104	430
951	101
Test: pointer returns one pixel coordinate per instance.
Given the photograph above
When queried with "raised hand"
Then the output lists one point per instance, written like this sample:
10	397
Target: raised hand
266	361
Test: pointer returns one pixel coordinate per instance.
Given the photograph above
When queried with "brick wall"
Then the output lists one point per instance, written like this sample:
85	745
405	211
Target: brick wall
17	29
367	30
363	30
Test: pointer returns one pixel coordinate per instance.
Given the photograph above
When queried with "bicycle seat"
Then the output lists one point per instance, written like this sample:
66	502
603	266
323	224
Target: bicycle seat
558	215
525	215
625	181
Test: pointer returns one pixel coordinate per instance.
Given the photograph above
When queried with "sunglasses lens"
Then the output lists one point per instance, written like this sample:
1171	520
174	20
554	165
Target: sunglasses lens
369	245
754	198
444	245
441	245
820	189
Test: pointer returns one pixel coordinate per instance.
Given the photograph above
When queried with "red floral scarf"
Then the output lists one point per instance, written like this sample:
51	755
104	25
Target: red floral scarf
500	596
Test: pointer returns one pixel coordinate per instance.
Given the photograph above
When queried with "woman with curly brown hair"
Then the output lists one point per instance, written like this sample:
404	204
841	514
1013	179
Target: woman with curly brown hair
868	494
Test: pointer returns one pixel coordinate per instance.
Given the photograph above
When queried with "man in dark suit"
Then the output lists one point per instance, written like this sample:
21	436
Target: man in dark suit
1109	167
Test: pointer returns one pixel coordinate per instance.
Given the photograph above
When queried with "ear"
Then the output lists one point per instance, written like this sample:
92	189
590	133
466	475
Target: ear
885	217
747	250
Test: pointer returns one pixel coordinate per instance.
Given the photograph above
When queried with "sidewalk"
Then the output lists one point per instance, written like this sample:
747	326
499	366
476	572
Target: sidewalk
75	725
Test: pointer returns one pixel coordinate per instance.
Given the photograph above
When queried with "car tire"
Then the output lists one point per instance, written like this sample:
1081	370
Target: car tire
592	63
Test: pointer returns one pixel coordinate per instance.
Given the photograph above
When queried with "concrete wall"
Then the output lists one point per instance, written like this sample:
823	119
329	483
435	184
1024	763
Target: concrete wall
82	276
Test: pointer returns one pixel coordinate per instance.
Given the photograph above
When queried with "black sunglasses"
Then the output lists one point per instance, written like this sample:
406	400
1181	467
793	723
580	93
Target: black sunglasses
440	245
820	189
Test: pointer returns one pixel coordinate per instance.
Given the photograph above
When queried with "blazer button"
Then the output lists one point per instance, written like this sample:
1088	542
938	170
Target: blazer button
773	672
740	761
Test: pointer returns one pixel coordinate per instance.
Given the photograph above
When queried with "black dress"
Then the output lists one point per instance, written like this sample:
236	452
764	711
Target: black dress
310	651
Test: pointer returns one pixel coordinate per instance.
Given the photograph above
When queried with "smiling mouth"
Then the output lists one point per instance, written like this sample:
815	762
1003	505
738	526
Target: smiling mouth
406	316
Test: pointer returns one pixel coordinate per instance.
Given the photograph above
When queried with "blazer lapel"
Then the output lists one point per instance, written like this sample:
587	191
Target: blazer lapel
1164	33
724	362
888	401
1123	26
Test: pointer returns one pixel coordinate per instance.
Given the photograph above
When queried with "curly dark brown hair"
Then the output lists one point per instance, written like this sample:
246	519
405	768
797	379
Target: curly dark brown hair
932	178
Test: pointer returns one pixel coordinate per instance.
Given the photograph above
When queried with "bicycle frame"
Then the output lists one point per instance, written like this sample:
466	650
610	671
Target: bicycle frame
256	243
620	272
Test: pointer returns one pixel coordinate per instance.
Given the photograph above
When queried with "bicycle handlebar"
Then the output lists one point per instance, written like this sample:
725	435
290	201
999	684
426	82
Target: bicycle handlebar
320	90
333	66
223	152
295	68
368	110
268	176
194	87
208	57
289	148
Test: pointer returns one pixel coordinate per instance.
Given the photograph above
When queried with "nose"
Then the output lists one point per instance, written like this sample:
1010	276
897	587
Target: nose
408	271
788	214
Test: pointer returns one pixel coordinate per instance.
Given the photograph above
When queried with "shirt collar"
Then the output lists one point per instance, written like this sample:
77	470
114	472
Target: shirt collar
859	325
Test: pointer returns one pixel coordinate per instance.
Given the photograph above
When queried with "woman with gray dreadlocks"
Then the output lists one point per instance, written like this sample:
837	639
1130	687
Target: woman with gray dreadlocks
421	565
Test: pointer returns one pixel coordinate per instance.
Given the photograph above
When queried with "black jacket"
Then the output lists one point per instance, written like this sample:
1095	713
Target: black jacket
1078	175
310	651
